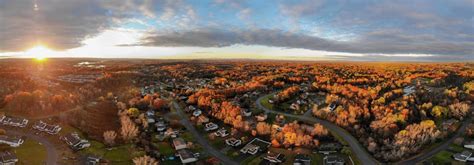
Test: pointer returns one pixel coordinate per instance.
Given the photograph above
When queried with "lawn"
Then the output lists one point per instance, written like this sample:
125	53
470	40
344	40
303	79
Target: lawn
443	157
31	151
265	102
117	155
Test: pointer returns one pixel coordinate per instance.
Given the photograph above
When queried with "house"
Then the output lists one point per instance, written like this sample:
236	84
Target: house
160	125
254	146
48	128
221	132
246	112
408	90
274	157
92	160
233	142
301	159
333	160
186	156
202	119
75	142
15	122
11	141
196	113
332	107
150	113
210	126
327	148
469	145
179	143
261	117
463	156
8	158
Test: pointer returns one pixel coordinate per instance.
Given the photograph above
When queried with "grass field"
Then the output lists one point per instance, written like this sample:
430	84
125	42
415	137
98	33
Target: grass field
31	151
117	155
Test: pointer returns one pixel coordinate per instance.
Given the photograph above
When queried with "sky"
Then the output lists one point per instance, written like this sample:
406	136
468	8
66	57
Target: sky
353	30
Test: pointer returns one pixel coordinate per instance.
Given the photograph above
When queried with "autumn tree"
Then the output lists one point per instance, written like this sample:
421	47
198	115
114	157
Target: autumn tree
263	128
109	137
145	160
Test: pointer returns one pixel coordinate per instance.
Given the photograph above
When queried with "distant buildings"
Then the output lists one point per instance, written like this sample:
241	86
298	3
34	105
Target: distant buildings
301	159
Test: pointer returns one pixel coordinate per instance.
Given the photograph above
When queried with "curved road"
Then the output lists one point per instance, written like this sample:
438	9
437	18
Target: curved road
358	150
200	139
51	151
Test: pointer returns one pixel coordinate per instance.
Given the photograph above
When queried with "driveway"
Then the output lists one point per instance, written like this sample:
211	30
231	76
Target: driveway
357	149
200	139
51	151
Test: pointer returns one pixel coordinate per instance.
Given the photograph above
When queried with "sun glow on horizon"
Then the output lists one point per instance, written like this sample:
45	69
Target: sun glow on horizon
39	52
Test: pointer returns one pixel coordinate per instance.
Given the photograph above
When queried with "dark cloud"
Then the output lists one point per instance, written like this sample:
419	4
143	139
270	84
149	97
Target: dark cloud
391	42
57	23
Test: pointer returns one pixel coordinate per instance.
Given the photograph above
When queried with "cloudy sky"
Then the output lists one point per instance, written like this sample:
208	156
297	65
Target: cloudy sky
411	30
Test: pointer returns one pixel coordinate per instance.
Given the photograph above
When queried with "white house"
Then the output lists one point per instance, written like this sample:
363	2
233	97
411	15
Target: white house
469	145
11	141
48	128
210	126
463	156
75	142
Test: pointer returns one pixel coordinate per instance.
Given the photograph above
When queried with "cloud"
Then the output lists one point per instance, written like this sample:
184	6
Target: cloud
60	25
382	42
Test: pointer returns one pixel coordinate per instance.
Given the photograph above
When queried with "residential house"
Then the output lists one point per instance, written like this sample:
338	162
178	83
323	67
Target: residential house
221	133
274	157
8	158
246	112
11	141
161	125
333	160
75	142
15	122
202	119
233	142
301	159
179	143
48	128
254	146
186	156
197	113
469	145
463	156
210	126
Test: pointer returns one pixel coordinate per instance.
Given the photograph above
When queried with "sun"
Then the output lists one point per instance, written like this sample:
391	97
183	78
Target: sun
39	53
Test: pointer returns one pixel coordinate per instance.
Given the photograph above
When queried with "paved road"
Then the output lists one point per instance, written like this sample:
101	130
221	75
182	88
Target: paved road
445	145
51	151
200	139
358	150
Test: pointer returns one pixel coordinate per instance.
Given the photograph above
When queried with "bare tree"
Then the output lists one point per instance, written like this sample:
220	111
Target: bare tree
129	130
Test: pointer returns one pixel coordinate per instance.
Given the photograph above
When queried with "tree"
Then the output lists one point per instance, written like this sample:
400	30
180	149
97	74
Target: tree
319	130
109	137
439	111
134	112
145	160
263	128
129	130
458	110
